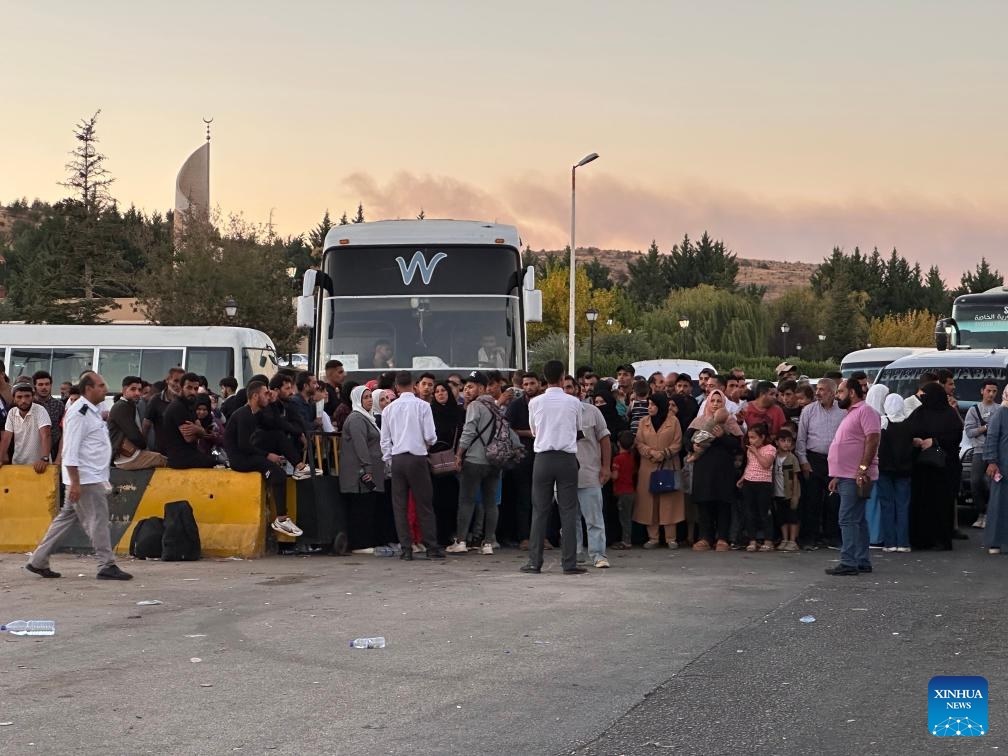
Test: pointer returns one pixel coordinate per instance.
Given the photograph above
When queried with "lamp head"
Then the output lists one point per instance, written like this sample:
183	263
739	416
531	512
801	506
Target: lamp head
587	159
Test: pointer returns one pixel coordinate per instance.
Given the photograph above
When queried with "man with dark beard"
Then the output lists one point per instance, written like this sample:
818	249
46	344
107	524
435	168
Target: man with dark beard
853	466
181	429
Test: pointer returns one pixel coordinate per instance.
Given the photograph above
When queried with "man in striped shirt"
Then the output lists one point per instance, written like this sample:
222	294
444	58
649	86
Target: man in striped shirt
817	426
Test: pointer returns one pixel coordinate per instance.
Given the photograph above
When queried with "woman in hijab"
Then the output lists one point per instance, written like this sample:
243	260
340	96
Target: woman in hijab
449	418
213	442
875	398
714	475
895	459
606	402
933	488
345	406
995	457
658	441
362	471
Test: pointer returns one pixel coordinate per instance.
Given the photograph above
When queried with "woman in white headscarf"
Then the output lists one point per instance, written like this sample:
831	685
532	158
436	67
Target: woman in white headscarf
875	398
895	468
995	458
362	471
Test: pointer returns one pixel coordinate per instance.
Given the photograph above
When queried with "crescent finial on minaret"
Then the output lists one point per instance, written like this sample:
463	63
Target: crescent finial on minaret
208	122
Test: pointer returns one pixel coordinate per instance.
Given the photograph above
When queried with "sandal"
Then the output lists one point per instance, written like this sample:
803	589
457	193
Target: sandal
767	546
751	547
701	545
722	545
651	545
619	545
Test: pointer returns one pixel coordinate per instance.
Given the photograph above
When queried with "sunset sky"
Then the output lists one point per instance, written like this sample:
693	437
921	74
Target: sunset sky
784	128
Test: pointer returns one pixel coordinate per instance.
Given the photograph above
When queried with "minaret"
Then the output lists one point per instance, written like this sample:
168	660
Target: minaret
192	186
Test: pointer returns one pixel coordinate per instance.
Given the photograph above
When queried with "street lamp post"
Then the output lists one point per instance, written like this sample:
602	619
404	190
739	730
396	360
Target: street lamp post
785	329
572	313
798	350
592	316
683	325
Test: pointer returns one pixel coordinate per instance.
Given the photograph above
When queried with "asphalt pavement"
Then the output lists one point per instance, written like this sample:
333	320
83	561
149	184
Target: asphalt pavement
666	652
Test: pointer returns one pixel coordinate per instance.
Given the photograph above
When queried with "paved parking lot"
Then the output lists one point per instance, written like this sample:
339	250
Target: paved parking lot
666	651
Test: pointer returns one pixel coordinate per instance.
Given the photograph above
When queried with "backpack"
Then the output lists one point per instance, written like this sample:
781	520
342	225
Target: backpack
503	448
145	543
181	541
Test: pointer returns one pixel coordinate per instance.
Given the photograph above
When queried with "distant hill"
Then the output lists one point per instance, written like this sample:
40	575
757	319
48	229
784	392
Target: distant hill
775	275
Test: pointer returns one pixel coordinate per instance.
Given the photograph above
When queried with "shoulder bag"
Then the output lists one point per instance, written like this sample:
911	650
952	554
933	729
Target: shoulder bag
443	462
663	480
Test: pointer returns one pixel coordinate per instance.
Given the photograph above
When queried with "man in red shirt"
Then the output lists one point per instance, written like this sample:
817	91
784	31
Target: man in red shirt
764	409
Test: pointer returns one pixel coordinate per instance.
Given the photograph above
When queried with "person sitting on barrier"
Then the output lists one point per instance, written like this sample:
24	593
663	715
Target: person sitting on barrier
42	380
276	433
302	404
129	446
154	419
245	455
181	430
230	396
29	426
212	442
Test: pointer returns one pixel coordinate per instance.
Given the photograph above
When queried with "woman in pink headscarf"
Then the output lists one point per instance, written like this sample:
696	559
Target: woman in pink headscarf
714	474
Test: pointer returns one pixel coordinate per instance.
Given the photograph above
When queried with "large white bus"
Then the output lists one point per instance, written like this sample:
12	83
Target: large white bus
115	351
435	295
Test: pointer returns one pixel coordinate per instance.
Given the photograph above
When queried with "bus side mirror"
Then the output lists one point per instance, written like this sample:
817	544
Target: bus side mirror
946	334
306	312
533	306
532	297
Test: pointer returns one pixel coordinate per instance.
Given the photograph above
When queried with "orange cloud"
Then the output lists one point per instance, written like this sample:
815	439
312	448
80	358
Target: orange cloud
617	214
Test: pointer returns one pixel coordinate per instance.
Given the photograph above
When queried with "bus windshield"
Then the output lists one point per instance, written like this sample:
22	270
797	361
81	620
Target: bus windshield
982	326
431	332
423	307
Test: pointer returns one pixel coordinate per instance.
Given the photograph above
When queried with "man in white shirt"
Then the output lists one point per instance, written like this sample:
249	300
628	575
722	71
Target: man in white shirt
594	456
28	424
87	454
407	430
554	417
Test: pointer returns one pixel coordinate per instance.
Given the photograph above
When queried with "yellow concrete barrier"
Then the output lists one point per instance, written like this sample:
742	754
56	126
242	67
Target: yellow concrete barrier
28	502
229	508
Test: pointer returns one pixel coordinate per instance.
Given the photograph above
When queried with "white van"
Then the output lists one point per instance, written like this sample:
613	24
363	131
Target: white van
871	361
647	368
970	367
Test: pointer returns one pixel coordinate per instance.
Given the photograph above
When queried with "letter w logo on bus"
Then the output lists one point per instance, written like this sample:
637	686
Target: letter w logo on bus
419	262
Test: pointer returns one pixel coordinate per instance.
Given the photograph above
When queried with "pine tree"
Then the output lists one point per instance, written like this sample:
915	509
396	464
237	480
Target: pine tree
359	218
88	209
343	221
598	274
936	299
983	279
316	237
646	283
421	215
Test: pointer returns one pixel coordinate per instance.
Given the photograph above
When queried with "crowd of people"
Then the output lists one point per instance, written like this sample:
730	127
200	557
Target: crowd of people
714	462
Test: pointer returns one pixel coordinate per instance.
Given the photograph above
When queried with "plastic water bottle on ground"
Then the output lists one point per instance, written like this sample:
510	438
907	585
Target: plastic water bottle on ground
378	642
384	551
29	627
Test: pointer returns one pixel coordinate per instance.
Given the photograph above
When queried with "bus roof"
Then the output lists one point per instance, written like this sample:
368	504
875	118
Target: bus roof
997	295
125	335
422	232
